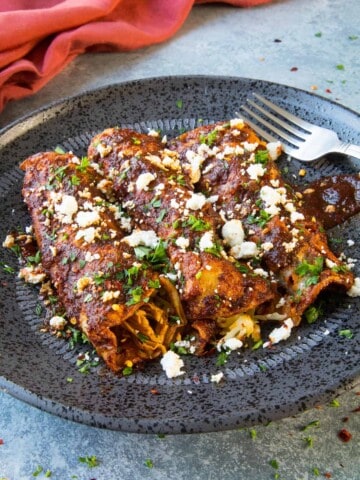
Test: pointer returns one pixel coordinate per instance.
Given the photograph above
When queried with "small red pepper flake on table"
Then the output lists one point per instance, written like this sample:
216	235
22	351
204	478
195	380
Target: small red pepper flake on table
1	441
345	435
294	69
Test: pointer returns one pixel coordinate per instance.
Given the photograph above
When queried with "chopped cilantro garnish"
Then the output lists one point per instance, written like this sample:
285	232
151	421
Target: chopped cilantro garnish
261	156
215	250
90	460
127	371
143	338
34	259
261	219
156	257
59	149
253	433
309	441
347	333
274	463
84	163
154	283
222	358
161	215
74	180
310	270
314	423
37	471
149	463
135	295
77	337
312	313
38	309
210	138
6	268
257	345
179	103
196	224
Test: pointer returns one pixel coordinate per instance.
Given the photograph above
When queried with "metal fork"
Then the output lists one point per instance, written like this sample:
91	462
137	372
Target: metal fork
300	139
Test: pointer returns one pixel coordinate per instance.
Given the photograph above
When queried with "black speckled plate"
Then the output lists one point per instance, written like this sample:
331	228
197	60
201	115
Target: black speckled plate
259	385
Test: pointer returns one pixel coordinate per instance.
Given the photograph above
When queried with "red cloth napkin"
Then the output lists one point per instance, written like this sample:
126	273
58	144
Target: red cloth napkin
38	38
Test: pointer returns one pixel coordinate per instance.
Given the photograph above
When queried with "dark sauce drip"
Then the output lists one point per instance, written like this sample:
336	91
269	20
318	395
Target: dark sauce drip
332	200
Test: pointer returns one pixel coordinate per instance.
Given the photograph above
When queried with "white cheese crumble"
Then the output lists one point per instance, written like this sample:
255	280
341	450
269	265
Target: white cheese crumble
196	201
103	149
274	149
355	289
182	242
237	123
280	333
32	275
250	147
143	181
296	216
172	364
232	344
57	322
233	232
87	234
86	219
244	250
67	208
206	241
148	238
255	171
217	377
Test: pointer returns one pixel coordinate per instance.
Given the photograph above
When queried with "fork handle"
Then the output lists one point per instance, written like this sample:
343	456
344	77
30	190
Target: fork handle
349	149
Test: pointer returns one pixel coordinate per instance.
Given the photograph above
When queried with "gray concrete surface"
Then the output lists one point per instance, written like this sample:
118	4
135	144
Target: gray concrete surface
293	42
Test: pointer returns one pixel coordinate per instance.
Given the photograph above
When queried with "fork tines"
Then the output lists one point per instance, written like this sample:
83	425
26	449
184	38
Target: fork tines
274	120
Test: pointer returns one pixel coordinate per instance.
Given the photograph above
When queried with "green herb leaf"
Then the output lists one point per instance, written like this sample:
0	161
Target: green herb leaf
84	164
210	138
312	313
261	219
262	156
309	441
196	224
149	463
6	268
127	371
312	271
37	471
314	423
34	259
347	333
59	150
90	460
135	295
274	463
222	358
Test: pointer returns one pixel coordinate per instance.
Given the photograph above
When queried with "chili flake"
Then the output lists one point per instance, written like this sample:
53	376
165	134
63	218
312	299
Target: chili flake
345	435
